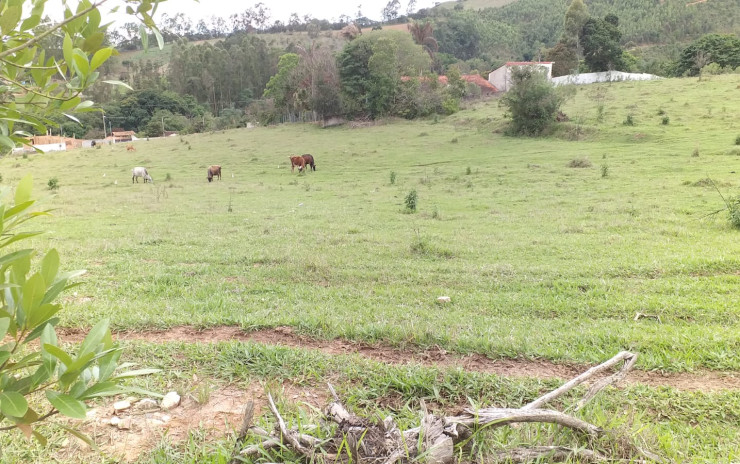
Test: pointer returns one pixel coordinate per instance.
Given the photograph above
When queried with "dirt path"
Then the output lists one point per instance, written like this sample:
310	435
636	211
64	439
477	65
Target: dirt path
704	380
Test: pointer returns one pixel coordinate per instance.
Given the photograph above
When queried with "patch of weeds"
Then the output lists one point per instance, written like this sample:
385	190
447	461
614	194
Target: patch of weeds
1	177
454	140
604	170
393	177
600	112
423	134
737	140
661	112
665	120
580	163
435	213
468	171
630	121
167	177
53	184
25	156
695	153
733	211
411	201
424	246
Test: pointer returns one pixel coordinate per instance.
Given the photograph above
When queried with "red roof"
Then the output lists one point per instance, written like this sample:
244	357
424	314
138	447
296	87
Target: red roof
524	63
472	78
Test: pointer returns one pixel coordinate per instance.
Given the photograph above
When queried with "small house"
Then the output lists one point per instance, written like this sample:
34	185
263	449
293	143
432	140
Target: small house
501	77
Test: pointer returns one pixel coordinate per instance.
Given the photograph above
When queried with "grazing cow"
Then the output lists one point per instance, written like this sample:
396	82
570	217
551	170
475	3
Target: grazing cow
309	161
130	147
140	172
214	171
297	161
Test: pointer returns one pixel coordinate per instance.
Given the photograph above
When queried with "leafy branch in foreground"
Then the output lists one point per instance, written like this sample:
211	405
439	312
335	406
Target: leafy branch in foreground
39	380
34	86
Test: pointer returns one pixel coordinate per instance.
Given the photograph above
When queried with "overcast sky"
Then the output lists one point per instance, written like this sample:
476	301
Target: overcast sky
279	9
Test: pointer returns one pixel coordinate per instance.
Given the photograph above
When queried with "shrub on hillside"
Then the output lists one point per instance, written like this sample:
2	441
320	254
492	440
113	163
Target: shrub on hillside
533	102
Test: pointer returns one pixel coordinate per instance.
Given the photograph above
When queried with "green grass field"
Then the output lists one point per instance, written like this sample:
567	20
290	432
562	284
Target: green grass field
540	259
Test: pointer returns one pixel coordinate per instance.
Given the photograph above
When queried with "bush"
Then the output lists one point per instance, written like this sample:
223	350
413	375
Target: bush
533	102
665	120
411	199
53	183
737	140
604	170
629	121
39	378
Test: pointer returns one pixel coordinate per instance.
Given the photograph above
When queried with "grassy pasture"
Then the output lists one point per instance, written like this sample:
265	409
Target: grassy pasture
540	259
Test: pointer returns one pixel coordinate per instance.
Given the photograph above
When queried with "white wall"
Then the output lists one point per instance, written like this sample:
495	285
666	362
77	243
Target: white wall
605	76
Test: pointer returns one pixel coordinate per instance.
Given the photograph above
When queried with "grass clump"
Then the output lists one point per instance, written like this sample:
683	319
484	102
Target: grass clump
411	200
737	140
393	177
630	121
733	211
695	153
604	170
53	184
580	163
665	121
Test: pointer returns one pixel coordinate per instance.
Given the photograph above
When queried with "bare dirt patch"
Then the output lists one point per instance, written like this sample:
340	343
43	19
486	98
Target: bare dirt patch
216	418
704	380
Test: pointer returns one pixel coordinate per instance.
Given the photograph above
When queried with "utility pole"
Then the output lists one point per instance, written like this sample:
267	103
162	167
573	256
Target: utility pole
105	134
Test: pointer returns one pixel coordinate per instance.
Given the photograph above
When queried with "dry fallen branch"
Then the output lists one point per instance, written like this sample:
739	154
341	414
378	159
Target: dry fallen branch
365	441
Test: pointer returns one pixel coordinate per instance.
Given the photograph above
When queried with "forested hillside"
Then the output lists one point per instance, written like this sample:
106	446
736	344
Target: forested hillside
521	29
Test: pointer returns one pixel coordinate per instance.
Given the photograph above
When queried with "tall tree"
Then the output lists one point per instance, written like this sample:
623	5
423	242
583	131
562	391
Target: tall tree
423	34
601	48
390	11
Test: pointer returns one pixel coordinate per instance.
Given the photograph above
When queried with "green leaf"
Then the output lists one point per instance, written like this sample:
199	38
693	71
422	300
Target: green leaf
4	324
7	142
9	19
40	315
23	191
158	35
81	436
121	83
10	258
67	405
58	353
93	42
13	404
94	337
100	57
30	22
67	50
50	266
144	35
69	104
102	389
33	292
40	438
36	333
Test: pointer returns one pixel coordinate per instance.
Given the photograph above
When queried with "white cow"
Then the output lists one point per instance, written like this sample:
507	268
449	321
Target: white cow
140	172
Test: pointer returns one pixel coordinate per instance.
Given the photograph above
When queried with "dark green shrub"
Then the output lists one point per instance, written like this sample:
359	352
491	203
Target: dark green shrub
604	170
737	140
411	200
393	177
665	120
533	102
53	183
629	121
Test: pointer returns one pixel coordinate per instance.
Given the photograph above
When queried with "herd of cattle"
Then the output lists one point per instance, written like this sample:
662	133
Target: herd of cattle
215	170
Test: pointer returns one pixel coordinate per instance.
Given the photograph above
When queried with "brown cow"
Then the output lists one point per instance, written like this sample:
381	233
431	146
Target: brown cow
297	161
213	171
309	161
130	147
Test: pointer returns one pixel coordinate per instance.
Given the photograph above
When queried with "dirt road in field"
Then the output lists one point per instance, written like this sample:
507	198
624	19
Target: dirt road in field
704	380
